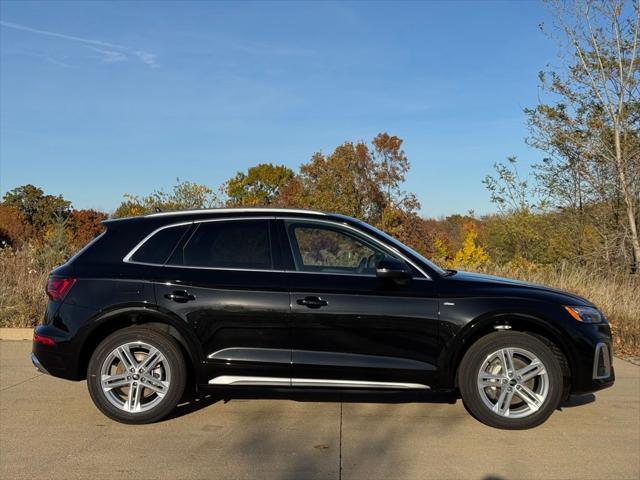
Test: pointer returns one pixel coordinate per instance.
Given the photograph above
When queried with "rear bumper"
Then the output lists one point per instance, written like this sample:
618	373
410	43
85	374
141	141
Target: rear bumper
37	364
59	360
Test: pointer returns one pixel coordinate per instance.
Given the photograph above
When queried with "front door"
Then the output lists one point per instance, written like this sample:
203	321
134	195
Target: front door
351	328
232	295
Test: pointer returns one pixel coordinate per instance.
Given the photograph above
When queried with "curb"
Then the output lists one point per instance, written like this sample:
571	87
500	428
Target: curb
16	333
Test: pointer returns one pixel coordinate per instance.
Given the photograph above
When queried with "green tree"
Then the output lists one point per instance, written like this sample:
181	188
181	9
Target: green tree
590	125
38	209
184	196
260	186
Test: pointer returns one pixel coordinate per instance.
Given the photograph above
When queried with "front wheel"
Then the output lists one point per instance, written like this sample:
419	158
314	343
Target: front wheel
510	380
136	375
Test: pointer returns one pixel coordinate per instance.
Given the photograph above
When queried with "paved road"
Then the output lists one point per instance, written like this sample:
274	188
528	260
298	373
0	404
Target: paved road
49	429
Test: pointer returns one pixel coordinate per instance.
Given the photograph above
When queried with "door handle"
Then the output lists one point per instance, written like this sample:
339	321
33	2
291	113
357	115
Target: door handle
312	302
180	296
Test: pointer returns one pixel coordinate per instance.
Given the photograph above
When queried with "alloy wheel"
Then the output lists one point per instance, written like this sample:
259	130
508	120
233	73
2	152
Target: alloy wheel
513	382
135	377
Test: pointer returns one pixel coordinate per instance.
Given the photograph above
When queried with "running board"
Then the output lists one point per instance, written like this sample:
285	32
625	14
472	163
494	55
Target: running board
311	382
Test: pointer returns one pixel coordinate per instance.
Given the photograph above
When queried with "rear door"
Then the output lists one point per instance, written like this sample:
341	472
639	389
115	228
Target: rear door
351	328
224	282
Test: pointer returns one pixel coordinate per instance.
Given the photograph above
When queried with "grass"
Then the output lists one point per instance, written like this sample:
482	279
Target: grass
22	296
24	275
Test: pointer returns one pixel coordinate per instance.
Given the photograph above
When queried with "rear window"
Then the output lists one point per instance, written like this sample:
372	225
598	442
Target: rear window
231	244
158	248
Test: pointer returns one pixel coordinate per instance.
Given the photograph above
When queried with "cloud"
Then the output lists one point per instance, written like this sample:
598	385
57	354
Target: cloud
110	56
110	52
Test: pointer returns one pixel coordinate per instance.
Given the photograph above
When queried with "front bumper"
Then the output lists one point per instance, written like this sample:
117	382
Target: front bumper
592	368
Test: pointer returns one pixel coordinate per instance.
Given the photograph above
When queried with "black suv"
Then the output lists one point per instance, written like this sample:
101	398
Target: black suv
303	299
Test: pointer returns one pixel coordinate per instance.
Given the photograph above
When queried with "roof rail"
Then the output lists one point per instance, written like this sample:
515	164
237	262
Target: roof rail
231	210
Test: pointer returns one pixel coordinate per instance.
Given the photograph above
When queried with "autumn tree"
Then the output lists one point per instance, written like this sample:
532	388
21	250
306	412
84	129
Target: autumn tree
362	181
590	127
183	196
38	209
84	225
14	229
260	186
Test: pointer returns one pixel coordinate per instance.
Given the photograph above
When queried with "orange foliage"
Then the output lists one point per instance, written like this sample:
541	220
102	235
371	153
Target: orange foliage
14	229
83	225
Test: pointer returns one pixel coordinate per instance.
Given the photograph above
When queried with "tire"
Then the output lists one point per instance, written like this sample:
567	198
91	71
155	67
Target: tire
132	393
522	395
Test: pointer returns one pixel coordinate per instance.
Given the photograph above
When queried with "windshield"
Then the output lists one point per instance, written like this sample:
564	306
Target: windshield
402	246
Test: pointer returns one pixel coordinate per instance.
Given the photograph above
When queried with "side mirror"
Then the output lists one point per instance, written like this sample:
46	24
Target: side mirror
393	269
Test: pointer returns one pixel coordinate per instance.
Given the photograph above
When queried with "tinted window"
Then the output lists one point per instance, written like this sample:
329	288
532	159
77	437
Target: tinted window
232	244
326	249
158	248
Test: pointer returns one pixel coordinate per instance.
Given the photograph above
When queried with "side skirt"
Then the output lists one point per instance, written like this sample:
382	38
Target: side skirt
311	382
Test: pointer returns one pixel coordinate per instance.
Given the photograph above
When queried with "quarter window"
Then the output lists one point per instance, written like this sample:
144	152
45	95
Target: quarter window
242	244
158	248
323	248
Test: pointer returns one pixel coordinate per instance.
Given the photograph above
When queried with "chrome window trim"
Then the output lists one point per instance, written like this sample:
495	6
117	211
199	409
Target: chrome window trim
384	246
127	258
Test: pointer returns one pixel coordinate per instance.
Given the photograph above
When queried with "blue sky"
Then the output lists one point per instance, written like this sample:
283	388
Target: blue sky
98	99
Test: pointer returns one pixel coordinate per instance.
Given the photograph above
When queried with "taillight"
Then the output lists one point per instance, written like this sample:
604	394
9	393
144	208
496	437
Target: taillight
58	287
43	340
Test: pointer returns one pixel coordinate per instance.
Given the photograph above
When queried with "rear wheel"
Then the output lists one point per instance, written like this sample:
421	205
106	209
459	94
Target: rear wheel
136	375
510	380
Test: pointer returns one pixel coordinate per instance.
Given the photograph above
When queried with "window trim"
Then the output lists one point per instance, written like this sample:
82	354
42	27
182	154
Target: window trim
127	258
374	240
298	257
384	246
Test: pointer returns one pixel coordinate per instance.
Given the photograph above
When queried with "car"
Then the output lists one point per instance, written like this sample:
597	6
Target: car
222	299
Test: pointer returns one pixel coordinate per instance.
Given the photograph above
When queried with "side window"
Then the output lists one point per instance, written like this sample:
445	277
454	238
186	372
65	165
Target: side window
158	248
323	248
231	244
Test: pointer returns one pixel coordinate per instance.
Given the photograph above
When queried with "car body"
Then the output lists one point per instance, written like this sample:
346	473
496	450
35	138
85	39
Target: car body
304	299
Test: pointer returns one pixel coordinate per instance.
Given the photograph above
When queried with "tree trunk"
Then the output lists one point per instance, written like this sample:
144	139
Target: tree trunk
629	201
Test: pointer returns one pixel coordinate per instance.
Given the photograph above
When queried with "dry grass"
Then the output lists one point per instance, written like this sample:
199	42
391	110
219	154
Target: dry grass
617	295
22	296
24	275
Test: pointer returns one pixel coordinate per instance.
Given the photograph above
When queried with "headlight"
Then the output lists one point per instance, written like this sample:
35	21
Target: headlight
585	314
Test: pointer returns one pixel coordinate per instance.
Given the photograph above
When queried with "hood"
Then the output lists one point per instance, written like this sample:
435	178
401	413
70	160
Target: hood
484	280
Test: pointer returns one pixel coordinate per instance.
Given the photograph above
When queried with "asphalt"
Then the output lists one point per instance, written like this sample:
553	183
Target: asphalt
49	429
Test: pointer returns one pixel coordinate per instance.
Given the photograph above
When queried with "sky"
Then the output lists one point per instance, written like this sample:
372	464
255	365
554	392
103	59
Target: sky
102	98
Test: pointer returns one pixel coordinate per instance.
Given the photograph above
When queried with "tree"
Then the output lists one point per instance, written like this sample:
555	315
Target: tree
591	130
84	225
184	196
342	182
14	229
38	209
260	186
471	255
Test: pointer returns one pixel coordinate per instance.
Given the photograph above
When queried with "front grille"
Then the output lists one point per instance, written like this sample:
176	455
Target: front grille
602	362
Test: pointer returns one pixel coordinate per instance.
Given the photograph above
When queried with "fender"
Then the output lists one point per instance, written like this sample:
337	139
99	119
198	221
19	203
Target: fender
458	342
98	326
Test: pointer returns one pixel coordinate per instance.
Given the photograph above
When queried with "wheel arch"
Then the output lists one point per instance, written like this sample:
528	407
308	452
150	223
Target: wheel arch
515	322
112	321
